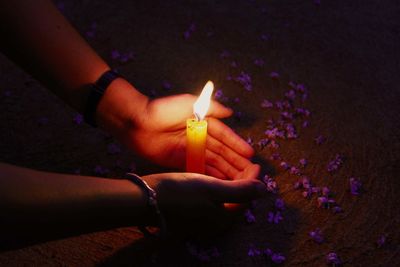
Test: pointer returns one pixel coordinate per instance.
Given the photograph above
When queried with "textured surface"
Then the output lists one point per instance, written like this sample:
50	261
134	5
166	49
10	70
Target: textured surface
345	52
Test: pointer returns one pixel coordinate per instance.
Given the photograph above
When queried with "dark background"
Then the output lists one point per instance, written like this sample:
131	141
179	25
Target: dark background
345	52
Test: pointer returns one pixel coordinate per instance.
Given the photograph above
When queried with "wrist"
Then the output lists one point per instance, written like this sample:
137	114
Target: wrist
120	107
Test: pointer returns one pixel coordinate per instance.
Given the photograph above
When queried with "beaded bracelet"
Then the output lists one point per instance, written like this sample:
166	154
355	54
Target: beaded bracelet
152	203
97	91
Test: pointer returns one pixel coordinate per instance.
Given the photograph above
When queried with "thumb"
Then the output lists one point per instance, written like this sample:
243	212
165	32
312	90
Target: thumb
236	191
217	110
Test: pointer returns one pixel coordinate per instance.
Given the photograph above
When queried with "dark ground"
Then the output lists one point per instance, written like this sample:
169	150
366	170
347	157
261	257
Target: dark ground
345	52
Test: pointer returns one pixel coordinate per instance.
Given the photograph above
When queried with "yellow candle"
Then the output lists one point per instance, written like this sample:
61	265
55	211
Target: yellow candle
196	132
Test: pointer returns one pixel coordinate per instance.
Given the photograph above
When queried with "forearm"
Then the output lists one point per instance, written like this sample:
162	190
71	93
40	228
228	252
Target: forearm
38	37
43	42
39	201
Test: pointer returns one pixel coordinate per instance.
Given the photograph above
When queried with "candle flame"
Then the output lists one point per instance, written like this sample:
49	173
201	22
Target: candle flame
200	107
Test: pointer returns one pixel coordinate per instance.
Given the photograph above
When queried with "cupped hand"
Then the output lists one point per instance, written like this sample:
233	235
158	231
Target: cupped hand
194	202
160	135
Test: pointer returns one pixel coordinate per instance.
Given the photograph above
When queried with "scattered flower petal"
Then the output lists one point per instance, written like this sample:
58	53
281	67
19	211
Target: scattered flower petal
320	139
274	217
78	119
316	235
250	218
332	258
277	258
274	75
279	204
355	186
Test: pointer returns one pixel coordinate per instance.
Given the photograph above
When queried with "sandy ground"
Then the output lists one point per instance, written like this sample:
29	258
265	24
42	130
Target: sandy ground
344	52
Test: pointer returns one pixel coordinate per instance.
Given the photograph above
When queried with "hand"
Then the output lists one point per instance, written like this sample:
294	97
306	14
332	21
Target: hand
194	202
161	137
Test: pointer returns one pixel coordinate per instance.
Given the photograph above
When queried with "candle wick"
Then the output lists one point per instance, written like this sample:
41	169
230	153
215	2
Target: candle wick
197	116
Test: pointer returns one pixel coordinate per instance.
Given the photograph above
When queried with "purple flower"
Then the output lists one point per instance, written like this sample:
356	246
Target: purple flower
238	115
244	79
189	31
305	182
166	85
277	258
273	144
300	88
337	209
234	64
279	204
316	235
274	75
279	105
322	202
319	140
334	164
275	156
218	94
286	115
125	57
332	258
267	252
355	186
303	162
381	241
259	62
291	94
249	140
307	193
236	100
297	185
285	165
270	183
115	54
78	119
294	170
267	104
253	251
315	189
325	191
263	143
250	218
305	124
274	217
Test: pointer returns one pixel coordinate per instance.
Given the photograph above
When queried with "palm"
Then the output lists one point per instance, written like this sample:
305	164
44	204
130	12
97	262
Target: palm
161	137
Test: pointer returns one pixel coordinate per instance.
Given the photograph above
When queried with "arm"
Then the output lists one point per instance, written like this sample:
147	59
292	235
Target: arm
41	202
34	204
44	43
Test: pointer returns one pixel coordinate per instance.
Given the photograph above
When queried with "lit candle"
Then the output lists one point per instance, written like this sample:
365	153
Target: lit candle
196	132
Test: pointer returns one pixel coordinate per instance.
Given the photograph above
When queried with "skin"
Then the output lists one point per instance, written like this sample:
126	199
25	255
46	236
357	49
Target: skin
43	42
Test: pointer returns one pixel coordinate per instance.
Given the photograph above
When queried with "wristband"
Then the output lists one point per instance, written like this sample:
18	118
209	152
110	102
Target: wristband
97	91
152	203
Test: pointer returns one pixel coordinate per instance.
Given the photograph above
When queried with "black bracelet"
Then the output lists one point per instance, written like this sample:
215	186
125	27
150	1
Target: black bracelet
152	203
97	91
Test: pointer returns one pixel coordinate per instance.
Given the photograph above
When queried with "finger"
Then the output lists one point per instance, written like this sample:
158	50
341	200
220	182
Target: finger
251	172
218	110
226	135
216	161
237	191
231	156
211	171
